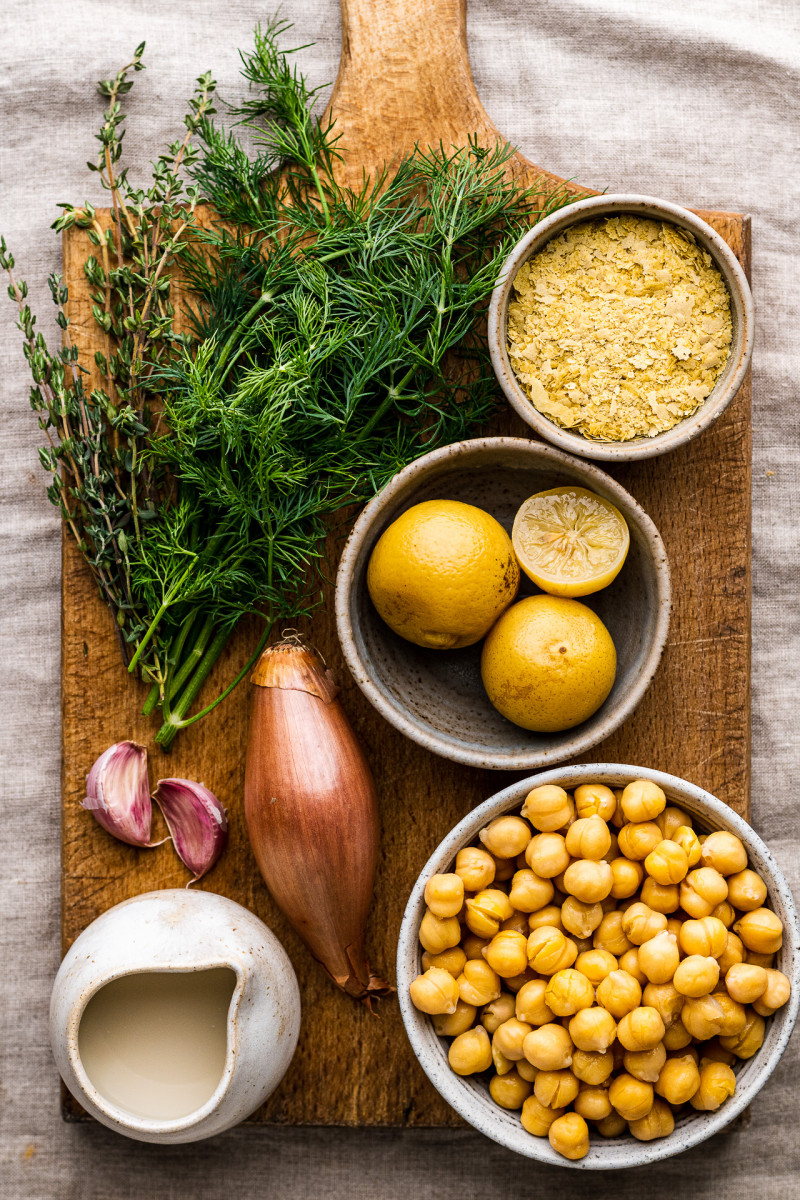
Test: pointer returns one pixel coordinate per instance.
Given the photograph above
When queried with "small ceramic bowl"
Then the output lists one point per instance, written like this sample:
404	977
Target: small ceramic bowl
469	1096
436	697
726	386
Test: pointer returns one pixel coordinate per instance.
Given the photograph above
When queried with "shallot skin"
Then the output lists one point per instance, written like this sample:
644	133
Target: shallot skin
312	812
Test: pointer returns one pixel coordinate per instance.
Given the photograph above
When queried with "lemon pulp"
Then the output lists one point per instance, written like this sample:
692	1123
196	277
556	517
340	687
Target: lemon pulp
570	541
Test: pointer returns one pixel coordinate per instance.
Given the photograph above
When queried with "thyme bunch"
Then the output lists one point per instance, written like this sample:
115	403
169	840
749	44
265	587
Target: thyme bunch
334	336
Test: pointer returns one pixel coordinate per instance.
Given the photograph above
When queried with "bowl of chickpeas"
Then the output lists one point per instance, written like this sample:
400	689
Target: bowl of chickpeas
599	967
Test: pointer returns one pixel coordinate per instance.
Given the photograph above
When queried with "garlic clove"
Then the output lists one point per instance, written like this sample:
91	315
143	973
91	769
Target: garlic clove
196	821
118	793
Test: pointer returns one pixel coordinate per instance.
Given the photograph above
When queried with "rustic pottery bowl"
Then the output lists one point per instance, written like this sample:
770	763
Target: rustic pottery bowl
469	1096
726	386
436	697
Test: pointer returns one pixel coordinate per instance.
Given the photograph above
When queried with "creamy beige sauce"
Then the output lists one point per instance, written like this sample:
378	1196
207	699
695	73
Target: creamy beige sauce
154	1043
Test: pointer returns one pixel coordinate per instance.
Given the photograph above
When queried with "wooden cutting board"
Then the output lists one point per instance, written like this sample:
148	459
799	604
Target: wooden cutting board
405	76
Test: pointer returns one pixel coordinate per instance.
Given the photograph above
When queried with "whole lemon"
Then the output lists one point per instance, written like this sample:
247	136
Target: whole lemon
548	663
442	573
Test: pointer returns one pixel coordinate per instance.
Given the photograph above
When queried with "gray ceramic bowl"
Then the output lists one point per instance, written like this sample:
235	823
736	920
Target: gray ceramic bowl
470	1097
435	697
726	386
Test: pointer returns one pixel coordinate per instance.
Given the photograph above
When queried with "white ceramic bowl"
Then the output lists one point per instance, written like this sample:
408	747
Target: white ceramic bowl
469	1096
726	386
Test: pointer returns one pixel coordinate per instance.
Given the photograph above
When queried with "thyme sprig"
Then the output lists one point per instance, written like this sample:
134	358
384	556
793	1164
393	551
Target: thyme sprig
334	336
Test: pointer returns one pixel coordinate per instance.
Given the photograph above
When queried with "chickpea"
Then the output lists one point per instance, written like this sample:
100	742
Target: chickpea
509	1037
703	1017
759	960
613	849
588	880
745	982
506	837
629	961
549	915
547	854
437	934
775	995
509	1090
659	958
749	1040
725	913
444	895
503	868
502	1065
518	922
507	953
529	892
641	1029
734	1015
549	1047
707	936
580	919
555	1089
547	808
689	842
497	1011
724	852
717	1083
451	960
474	946
702	890
679	1079
619	993
478	983
663	898
667	863
475	868
592	1103
746	890
550	951
530	1003
588	838
642	801
515	982
434	992
610	935
713	1052
611	1126
658	1123
459	1021
632	1098
666	1000
697	975
569	1136
672	819
640	923
645	1064
592	1067
761	930
626	878
593	1029
537	1118
470	1052
677	1037
734	952
637	840
525	1070
595	965
567	992
486	910
595	800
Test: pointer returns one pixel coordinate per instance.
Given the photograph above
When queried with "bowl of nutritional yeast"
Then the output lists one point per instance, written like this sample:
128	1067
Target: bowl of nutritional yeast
621	327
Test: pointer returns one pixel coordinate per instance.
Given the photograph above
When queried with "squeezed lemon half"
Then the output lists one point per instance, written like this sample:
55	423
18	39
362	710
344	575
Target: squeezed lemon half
570	541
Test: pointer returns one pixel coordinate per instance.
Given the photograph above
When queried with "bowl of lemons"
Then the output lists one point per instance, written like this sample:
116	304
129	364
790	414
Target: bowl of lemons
503	604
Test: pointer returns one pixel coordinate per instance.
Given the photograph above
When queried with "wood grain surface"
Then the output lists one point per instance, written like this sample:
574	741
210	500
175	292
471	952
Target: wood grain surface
404	77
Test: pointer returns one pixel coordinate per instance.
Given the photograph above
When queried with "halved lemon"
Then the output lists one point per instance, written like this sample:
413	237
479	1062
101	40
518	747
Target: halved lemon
570	541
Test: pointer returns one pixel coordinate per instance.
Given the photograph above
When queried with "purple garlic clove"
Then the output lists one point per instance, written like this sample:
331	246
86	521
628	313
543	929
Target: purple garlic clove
196	821
118	793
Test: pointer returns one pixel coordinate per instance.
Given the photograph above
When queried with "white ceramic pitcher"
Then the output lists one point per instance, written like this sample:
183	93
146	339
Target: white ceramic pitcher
180	930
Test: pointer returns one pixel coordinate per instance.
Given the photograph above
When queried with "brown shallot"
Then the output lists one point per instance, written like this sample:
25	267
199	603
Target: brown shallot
311	810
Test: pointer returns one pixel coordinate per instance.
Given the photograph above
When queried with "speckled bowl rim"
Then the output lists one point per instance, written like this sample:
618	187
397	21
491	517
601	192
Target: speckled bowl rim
722	393
391	708
504	1128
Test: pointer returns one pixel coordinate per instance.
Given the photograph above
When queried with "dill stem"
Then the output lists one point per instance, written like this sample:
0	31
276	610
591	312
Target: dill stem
151	702
151	628
246	320
175	713
192	659
384	406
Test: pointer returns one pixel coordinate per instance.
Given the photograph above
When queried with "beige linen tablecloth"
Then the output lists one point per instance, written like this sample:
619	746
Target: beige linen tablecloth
695	102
